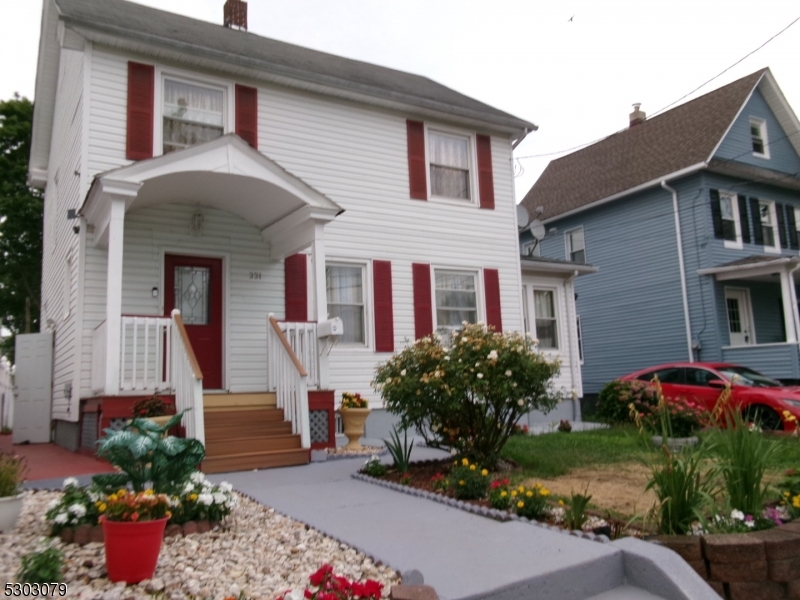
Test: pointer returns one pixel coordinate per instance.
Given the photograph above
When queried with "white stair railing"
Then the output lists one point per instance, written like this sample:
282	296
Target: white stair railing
144	344
188	380
302	337
289	380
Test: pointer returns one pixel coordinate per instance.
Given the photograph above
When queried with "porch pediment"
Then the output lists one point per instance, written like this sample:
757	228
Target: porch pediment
225	173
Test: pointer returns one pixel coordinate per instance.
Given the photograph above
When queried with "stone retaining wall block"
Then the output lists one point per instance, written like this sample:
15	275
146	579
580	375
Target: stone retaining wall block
739	572
767	590
787	569
733	548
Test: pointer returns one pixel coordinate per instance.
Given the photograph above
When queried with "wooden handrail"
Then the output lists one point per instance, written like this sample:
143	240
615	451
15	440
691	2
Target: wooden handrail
176	316
298	365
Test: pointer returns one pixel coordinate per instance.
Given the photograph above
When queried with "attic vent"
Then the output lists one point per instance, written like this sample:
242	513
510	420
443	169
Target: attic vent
235	14
637	116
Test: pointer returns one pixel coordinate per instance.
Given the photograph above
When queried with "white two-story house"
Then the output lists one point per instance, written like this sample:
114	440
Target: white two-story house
200	167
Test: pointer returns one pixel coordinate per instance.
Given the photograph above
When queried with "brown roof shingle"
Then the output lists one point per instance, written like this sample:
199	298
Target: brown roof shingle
672	141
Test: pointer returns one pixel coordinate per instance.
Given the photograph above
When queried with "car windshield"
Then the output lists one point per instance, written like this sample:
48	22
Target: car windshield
745	376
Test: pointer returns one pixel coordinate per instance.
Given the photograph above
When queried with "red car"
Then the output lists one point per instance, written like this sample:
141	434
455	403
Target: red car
762	399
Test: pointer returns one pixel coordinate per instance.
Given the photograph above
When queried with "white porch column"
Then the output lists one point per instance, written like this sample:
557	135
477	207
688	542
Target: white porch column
116	226
320	294
789	306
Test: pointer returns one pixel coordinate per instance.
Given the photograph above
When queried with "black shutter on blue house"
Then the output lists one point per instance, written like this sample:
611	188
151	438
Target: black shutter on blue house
744	221
790	220
758	230
716	214
780	209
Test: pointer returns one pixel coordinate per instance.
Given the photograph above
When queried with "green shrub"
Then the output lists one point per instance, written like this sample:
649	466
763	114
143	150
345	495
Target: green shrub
616	396
12	474
41	567
469	481
78	506
400	450
575	512
202	500
374	467
468	397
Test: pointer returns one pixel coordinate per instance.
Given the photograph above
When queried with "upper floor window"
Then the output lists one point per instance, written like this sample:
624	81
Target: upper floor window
576	247
456	300
449	157
768	218
192	114
758	137
544	308
731	220
345	291
531	248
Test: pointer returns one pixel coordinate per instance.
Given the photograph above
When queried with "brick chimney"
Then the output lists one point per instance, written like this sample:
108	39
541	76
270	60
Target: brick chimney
637	116
235	14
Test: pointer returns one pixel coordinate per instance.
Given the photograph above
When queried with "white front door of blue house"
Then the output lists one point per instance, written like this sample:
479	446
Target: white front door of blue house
740	316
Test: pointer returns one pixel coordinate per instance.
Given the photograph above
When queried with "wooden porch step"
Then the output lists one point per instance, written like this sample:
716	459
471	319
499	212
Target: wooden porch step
239	401
246	461
236	417
243	445
234	430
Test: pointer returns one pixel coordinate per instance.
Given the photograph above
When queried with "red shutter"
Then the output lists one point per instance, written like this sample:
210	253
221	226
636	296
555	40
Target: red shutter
423	310
247	114
485	177
296	287
417	169
384	315
491	287
141	85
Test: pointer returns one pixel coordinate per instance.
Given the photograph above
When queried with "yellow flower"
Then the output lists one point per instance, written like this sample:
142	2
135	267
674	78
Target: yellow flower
796	501
544	492
461	482
112	497
192	497
785	494
102	507
521	488
561	503
465	462
520	504
514	493
484	472
472	467
503	494
529	494
148	492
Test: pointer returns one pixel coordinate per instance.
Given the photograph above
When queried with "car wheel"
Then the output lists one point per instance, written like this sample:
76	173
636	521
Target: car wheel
766	418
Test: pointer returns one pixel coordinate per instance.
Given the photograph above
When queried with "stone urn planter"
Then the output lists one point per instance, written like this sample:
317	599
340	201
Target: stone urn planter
160	421
353	420
10	508
676	444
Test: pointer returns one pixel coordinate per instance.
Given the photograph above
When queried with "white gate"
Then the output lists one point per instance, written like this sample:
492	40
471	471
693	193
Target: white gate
33	382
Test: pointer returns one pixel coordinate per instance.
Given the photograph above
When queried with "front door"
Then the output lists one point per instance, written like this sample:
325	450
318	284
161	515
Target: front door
740	316
193	285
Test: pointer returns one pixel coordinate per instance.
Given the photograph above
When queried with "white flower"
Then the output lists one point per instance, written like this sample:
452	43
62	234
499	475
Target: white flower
492	355
403	373
71	482
574	393
225	486
521	402
750	524
294	595
737	515
206	499
508	373
480	375
197	477
446	357
61	518
94	496
219	498
79	510
52	504
534	341
188	488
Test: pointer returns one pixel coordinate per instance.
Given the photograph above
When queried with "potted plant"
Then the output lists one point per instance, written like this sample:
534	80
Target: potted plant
133	528
354	411
154	408
12	474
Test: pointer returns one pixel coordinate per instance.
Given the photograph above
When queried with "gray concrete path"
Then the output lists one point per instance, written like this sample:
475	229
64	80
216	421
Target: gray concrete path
461	555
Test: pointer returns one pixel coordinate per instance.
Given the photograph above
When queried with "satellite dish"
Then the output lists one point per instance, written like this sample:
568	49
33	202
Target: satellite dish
537	229
523	218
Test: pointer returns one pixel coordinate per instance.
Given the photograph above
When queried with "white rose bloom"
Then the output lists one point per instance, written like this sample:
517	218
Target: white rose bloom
225	486
61	518
480	375
493	355
206	499
737	515
403	373
79	510
521	402
71	482
219	498
197	477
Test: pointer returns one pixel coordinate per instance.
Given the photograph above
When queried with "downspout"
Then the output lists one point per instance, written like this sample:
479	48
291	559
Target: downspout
682	268
574	359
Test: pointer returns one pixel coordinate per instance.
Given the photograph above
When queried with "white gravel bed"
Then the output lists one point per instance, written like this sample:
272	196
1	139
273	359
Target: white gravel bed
257	551
363	451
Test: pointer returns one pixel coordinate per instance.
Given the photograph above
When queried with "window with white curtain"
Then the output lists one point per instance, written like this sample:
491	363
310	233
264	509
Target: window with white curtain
769	221
345	291
544	309
192	114
456	300
449	157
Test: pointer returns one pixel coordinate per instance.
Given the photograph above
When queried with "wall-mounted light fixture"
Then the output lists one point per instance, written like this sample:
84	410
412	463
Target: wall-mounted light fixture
196	223
155	292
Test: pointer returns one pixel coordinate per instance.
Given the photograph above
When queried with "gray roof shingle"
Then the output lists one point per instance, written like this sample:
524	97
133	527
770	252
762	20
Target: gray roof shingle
667	143
153	26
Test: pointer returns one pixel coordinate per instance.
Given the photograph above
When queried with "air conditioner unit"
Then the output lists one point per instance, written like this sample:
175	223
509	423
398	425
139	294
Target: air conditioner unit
330	327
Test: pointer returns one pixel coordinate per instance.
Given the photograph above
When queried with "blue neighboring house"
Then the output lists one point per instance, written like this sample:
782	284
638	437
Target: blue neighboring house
692	217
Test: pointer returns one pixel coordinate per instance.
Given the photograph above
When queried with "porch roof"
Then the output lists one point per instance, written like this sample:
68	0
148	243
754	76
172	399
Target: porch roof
225	173
752	267
554	266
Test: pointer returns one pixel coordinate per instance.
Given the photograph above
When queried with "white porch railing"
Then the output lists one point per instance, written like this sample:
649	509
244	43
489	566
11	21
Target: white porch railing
188	380
289	379
302	337
144	344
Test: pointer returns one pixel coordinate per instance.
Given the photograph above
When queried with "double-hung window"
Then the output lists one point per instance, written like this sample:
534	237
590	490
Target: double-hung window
758	137
345	292
449	161
456	300
731	222
767	214
576	247
546	319
192	114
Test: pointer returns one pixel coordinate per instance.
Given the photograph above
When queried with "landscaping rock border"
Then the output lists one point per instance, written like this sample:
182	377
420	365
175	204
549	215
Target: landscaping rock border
85	534
492	513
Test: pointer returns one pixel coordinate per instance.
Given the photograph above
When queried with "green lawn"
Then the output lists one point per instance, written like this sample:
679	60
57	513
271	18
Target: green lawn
554	454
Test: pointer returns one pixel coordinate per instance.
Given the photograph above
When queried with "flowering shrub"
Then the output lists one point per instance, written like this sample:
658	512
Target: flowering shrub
334	587
153	406
531	502
790	492
467	397
616	396
353	400
468	481
374	467
201	500
78	506
738	522
499	494
128	506
677	417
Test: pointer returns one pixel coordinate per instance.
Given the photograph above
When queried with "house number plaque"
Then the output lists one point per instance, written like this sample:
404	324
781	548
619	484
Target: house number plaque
255	274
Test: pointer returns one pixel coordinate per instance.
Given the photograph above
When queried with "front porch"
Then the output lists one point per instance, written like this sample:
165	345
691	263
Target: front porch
204	232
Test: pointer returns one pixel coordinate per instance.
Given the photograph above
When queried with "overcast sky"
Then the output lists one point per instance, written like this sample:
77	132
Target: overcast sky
573	67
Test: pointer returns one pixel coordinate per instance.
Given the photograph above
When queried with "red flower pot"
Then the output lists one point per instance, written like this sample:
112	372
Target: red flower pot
132	548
